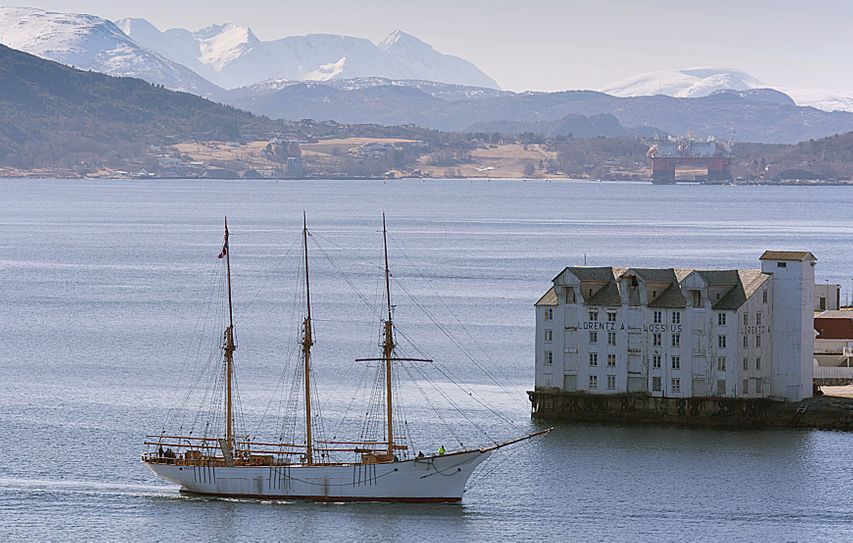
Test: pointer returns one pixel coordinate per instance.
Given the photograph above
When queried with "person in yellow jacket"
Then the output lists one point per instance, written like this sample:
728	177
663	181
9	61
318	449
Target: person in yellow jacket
441	450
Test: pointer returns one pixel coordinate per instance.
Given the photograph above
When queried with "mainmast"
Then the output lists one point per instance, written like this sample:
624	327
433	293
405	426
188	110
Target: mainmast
388	344
307	342
230	347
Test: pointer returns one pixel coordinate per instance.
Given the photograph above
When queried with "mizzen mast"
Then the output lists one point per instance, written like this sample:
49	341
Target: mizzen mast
307	342
229	349
388	345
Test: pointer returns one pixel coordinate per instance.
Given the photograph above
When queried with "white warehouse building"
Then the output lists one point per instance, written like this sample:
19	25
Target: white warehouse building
680	333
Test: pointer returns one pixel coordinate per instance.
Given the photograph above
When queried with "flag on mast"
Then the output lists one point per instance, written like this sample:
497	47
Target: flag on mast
224	251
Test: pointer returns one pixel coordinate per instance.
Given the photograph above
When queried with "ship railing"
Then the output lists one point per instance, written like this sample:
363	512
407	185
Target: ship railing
192	450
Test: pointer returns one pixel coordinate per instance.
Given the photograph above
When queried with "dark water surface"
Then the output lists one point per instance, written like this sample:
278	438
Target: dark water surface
103	284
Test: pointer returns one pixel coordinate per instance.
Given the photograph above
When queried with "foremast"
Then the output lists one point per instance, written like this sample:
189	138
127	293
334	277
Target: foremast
388	346
229	349
307	342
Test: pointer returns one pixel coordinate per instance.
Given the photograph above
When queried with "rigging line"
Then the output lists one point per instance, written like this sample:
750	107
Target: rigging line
455	317
355	255
450	336
196	344
429	401
346	278
441	369
271	272
456	406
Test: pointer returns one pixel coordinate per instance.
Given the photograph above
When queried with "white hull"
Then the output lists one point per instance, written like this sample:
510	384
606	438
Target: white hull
430	479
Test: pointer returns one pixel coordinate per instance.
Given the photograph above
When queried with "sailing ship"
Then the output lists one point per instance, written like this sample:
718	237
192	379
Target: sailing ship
377	470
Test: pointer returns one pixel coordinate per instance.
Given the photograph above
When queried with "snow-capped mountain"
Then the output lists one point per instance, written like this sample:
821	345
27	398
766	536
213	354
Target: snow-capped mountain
232	56
92	43
690	83
704	81
425	63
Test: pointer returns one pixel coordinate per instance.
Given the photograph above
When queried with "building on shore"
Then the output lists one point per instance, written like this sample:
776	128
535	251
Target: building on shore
680	333
827	297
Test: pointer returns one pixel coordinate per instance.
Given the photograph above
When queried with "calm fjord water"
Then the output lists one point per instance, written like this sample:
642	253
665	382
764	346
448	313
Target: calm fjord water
102	284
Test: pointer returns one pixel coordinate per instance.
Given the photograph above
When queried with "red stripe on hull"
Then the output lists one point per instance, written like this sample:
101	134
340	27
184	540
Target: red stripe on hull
320	498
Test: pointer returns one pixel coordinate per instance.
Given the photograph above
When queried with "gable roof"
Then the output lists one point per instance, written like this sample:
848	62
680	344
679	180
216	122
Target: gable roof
549	298
787	255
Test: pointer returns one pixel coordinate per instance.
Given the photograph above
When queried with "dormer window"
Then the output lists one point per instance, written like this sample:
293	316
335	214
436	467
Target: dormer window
696	295
570	295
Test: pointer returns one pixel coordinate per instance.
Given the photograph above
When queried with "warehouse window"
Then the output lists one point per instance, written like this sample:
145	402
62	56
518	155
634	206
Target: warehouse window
549	358
721	363
746	319
593	359
676	362
611	382
593	381
696	295
757	362
593	314
549	313
549	335
611	316
721	319
758	319
745	341
676	385
781	264
593	337
746	364
656	384
676	340
611	360
764	296
676	317
656	361
658	317
721	342
656	340
611	338
758	341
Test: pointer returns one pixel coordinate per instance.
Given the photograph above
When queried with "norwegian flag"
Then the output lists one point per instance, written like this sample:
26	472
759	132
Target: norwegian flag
224	251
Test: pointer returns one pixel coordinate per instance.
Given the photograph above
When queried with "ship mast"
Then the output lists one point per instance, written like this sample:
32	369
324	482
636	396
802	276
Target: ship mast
307	342
230	347
388	345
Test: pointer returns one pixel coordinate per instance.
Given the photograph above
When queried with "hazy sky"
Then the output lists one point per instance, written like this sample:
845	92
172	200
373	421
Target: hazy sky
555	45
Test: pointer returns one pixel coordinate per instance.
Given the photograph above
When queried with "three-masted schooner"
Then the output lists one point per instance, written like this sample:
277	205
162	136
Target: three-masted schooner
228	466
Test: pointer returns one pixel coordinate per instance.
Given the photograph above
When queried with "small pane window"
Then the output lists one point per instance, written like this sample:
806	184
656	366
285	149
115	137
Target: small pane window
611	360
676	385
721	319
676	340
656	340
593	359
758	341
658	315
611	316
656	384
656	361
549	313
593	381
593	314
676	362
549	335
611	382
721	363
721	342
611	338
757	363
549	358
676	317
593	337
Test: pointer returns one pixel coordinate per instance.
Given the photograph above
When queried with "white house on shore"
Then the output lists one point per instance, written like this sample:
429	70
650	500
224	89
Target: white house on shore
680	333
